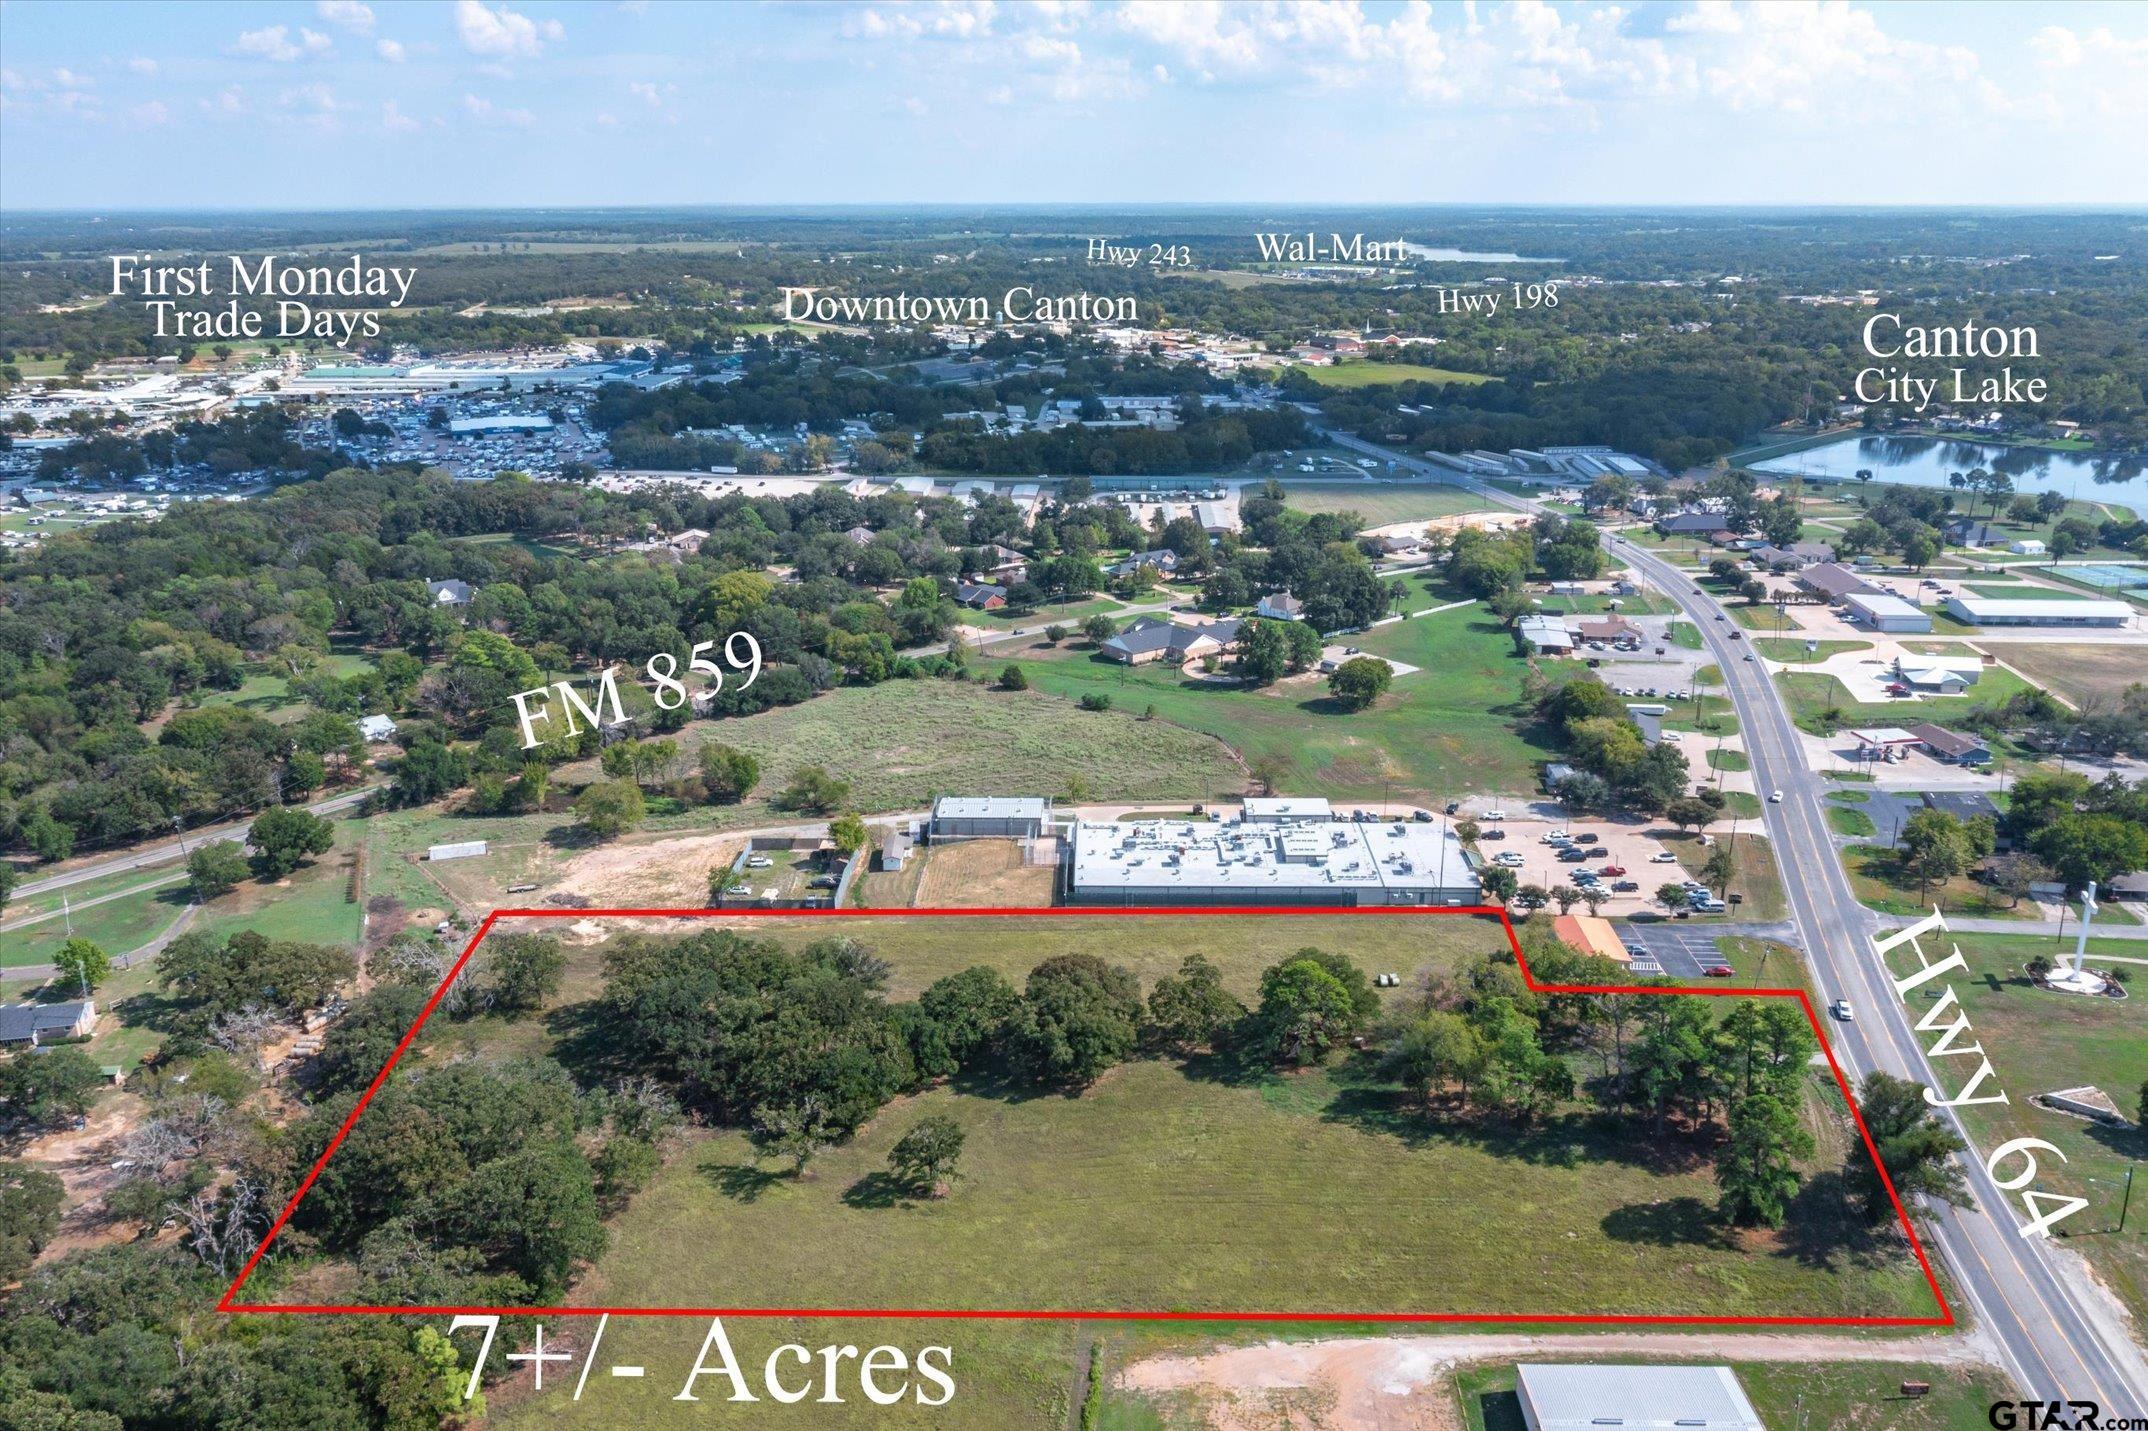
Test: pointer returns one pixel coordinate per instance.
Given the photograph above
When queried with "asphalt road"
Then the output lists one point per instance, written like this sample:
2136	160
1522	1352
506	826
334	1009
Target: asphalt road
2055	1350
142	856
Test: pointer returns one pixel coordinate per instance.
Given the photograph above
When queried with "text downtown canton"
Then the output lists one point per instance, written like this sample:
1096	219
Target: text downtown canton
1020	304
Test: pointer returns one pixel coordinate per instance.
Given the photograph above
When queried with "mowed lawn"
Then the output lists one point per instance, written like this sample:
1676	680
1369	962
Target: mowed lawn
1382	503
2040	1041
1359	374
2079	671
1451	727
1809	693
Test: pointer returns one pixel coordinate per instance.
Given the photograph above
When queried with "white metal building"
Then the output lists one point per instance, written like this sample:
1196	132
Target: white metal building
2037	611
1881	612
988	817
1638	1398
1294	862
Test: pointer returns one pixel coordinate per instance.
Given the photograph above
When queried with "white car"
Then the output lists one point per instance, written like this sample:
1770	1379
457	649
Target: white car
758	862
1493	815
1842	1011
1553	837
1775	797
1508	858
1663	857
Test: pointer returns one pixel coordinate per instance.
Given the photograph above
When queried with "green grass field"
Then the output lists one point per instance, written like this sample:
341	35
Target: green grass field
2040	1041
1382	503
1447	729
1878	885
1732	760
1811	693
902	742
1790	650
1846	820
1358	374
1164	1185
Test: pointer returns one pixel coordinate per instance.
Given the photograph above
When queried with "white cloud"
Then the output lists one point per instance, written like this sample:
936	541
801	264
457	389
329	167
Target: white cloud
346	14
484	111
502	33
142	65
953	20
228	100
394	121
64	78
391	50
275	42
649	93
317	99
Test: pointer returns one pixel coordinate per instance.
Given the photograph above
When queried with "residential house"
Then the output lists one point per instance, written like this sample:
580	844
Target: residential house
860	536
1613	630
981	597
1163	561
1280	606
449	593
1155	638
34	1025
374	729
1968	532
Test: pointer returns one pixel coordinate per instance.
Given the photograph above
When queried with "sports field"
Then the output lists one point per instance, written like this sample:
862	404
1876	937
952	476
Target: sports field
1382	503
1349	374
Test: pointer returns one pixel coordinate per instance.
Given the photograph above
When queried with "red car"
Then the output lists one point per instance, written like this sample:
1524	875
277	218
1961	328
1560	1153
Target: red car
1718	971
1612	871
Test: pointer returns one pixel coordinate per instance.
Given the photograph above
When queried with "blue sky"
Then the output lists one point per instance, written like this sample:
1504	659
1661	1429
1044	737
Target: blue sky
387	103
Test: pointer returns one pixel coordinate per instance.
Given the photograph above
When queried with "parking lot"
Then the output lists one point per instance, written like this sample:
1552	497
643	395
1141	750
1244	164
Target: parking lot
1628	845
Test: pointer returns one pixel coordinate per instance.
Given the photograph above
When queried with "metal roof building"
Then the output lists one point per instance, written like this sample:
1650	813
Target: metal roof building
1641	1398
988	817
1882	612
2031	611
1335	862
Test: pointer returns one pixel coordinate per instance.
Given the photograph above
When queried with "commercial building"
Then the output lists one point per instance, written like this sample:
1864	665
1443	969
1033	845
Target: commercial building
1584	1397
2037	611
1591	934
989	817
1881	612
1951	745
1547	634
1274	809
1285	862
1831	580
1939	675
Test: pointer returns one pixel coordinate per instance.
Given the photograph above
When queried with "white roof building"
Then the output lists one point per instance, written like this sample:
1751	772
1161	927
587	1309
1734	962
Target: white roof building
2037	611
1284	862
1638	1398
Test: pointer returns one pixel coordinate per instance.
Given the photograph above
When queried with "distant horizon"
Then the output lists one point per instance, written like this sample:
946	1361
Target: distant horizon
297	105
1103	205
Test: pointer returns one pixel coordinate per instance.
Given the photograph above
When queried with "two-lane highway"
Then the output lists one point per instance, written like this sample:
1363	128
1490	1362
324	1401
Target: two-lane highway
2060	1346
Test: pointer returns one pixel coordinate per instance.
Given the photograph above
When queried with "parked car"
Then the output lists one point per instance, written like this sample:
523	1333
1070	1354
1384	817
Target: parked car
1663	857
1612	871
1493	815
758	862
1483	835
1571	857
1625	886
1508	858
1422	817
1553	837
1718	971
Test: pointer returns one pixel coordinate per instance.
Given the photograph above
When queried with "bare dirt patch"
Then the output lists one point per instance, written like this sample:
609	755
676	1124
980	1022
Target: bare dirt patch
1403	1382
984	874
669	873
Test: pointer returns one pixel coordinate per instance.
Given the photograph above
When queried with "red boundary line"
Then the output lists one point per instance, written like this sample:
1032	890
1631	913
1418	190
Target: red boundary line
1945	1318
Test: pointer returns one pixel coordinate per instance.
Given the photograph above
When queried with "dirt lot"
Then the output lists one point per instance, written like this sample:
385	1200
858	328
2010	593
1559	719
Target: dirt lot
670	873
1402	1382
983	873
2078	671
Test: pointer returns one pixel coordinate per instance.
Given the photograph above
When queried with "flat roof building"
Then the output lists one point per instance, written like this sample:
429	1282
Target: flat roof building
1273	809
1294	862
1638	1398
1881	612
2037	611
988	817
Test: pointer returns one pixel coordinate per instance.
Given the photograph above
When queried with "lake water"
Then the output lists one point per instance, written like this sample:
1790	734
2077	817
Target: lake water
1927	462
1464	255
